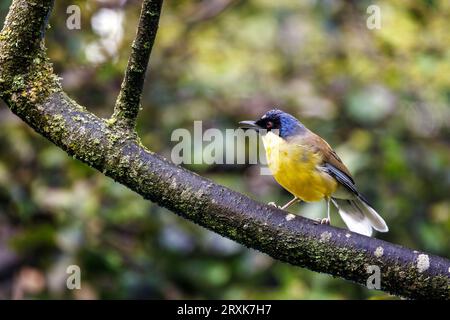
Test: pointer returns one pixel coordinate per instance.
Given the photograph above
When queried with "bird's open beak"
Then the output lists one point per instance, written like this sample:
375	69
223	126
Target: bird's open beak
248	125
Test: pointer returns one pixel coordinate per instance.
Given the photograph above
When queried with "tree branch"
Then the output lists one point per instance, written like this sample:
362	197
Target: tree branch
128	101
117	154
21	50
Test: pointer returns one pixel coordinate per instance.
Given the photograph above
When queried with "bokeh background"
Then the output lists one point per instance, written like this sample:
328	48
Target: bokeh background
380	97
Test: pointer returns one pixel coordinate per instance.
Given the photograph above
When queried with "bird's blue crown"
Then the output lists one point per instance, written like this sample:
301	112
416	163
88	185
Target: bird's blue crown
287	124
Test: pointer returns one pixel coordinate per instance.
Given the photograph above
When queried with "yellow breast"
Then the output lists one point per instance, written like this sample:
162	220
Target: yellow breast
296	168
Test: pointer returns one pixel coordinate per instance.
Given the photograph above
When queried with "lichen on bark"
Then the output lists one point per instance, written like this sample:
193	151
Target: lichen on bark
128	102
26	74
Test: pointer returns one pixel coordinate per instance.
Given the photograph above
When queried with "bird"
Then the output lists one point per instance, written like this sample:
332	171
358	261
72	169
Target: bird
305	165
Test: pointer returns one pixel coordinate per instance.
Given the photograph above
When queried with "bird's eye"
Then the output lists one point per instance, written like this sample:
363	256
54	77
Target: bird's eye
269	125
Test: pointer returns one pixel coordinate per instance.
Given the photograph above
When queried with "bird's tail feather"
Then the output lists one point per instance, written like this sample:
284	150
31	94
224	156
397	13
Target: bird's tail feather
359	216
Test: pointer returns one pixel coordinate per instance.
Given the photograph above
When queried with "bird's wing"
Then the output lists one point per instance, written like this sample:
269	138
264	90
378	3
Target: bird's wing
332	164
341	177
329	156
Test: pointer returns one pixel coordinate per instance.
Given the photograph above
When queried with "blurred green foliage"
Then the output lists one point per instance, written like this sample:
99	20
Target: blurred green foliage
380	97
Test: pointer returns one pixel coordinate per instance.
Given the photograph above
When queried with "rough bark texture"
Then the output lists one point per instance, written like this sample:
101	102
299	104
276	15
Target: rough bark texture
118	154
128	102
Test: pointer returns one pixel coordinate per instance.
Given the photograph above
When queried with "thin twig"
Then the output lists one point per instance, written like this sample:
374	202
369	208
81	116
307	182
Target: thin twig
128	102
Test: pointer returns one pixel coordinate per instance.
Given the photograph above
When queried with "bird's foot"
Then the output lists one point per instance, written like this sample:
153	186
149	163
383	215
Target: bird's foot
325	221
273	204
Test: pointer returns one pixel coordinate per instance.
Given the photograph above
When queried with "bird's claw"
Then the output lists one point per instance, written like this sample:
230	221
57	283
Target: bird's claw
325	221
273	204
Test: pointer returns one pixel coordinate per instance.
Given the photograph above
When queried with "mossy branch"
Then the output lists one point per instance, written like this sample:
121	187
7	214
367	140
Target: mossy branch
116	153
128	102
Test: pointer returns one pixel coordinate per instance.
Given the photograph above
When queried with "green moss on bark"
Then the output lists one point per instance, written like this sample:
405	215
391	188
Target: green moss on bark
128	101
26	75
